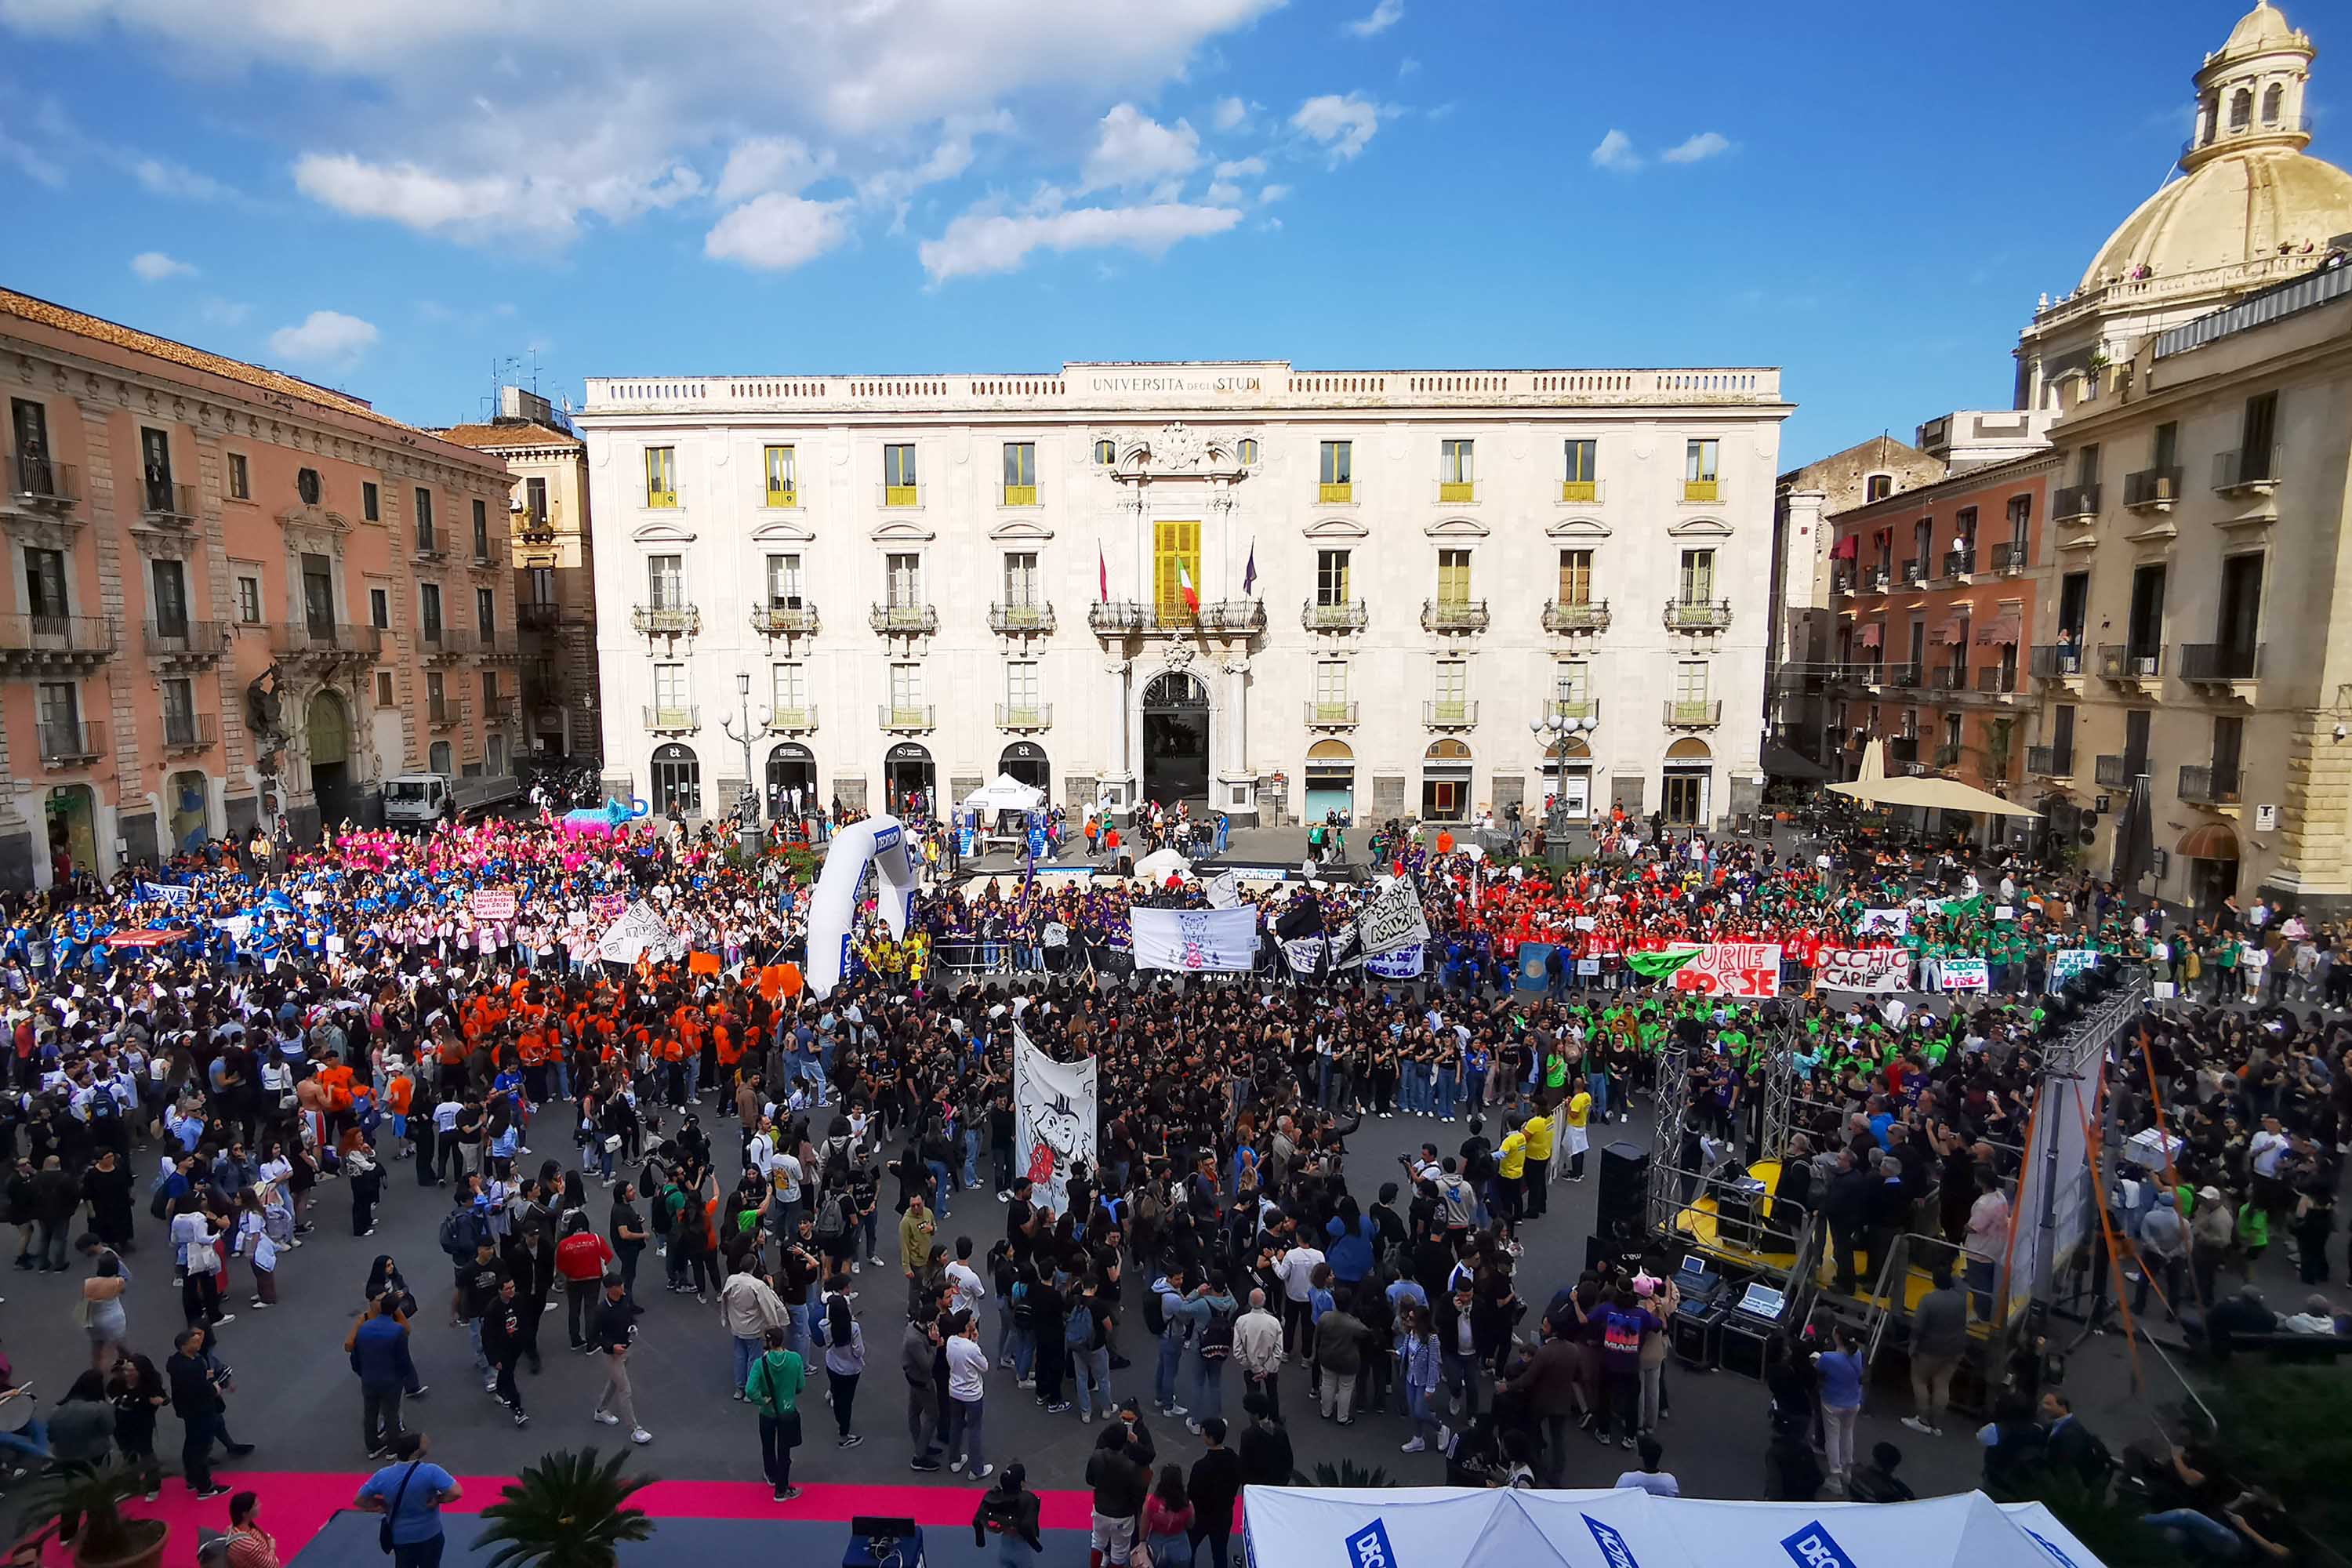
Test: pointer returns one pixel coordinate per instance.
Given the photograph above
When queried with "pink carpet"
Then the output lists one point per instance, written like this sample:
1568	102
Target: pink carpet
295	1505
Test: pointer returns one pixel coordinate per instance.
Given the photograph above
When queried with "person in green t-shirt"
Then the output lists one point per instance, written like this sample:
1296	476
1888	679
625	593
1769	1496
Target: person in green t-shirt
774	1388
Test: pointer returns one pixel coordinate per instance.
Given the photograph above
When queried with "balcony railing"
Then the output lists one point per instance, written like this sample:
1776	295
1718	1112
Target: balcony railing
2118	662
2115	772
446	641
448	713
1997	681
1346	616
1576	616
916	716
1903	675
1342	494
1877	580
792	720
672	719
1697	615
2209	784
2151	490
2012	555
1456	493
190	732
498	709
902	495
64	744
1580	492
1959	563
169	505
1232	617
1024	715
2055	661
62	638
784	620
666	621
1948	755
1453	615
1842	579
1030	616
2073	501
2050	762
2213	662
185	640
2257	470
781	497
1915	572
904	620
533	617
1330	715
42	481
1682	714
429	548
1449	715
1569	708
1946	677
1020	495
324	640
1709	491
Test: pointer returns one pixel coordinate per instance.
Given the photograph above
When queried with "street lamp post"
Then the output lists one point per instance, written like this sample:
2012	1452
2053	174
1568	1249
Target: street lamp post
1558	725
747	809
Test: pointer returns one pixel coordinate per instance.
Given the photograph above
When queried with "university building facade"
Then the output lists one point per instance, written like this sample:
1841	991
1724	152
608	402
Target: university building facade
1274	593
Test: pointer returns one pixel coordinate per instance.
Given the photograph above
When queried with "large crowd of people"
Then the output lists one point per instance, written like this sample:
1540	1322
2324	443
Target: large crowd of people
229	1040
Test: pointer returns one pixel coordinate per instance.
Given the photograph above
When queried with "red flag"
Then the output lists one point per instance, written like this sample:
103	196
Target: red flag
1102	573
1184	585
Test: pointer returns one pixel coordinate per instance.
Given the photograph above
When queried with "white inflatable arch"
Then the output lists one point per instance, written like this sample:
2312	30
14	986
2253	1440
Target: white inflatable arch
877	841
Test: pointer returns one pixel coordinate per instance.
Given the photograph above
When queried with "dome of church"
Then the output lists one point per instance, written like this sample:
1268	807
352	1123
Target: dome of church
2236	207
2263	28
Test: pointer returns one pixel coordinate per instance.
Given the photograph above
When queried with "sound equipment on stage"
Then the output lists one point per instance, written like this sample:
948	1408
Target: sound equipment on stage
1696	1327
882	1541
1738	1200
1623	1222
1748	1328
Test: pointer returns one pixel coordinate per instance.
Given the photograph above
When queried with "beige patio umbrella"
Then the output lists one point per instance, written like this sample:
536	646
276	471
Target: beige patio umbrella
1874	787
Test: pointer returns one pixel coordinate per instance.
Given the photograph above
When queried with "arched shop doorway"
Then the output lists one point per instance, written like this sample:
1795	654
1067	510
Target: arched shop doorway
910	783
678	781
1689	774
1331	782
188	804
1445	782
1567	777
790	768
72	814
2210	850
1025	760
1176	739
327	731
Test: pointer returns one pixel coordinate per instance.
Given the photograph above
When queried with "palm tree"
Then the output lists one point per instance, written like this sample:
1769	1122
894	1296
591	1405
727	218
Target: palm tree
569	1511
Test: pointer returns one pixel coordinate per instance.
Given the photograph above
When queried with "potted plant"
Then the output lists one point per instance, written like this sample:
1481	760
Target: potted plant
92	1495
568	1510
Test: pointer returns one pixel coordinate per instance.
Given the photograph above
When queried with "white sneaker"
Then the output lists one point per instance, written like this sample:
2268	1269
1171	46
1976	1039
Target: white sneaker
955	1466
1415	1447
606	1418
984	1472
641	1437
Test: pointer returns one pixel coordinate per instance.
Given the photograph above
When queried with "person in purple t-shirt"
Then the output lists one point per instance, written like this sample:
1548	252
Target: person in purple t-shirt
1619	1327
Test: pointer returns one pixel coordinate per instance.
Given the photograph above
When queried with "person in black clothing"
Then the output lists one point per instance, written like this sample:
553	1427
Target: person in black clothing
530	1261
479	1284
1876	1481
1008	1510
107	1185
1848	1205
1890	1214
503	1341
196	1400
1000	1144
1049	1314
1265	1452
139	1394
1215	1485
1792	1471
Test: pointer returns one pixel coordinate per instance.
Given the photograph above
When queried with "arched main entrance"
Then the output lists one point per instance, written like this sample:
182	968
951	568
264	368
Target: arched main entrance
1331	782
1567	777
910	783
186	801
327	730
790	768
1176	739
678	781
1445	782
72	814
1689	771
1025	760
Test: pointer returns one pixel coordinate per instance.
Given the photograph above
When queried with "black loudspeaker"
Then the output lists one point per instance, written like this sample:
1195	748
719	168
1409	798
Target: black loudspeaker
1624	1220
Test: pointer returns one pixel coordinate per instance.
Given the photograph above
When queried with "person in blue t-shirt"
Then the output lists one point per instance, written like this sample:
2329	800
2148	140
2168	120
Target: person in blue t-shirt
412	1490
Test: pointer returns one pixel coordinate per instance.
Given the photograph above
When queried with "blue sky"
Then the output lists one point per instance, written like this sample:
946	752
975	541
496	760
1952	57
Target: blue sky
393	195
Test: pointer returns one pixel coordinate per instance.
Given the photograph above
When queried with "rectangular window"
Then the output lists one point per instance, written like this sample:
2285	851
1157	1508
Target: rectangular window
1020	687
1334	578
371	501
534	503
2021	523
1964	528
1878	487
1022	589
666	582
424	518
669	686
1020	473
1579	470
900	487
1699	475
29	422
782	478
489	694
1330	684
1572	686
1456	478
486	612
2086	465
1338	472
240	482
543	586
1452	687
1175	566
2164	447
784	588
61	711
906	686
482	529
1697	579
171	581
1690	680
383	689
1576	576
2259	438
661	477
1453	576
904	571
2147	623
44	584
428	603
156	458
249	600
2229	751
788	688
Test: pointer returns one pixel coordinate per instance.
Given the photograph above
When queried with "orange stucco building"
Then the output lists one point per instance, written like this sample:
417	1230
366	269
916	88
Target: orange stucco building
229	594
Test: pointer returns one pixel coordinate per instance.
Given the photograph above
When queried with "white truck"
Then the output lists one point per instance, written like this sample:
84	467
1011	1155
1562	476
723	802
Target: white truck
422	800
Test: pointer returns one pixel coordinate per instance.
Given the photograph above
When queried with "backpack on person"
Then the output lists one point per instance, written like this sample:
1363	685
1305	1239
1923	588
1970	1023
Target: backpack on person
1024	1313
1155	1314
1217	1335
461	1234
1078	1329
832	1224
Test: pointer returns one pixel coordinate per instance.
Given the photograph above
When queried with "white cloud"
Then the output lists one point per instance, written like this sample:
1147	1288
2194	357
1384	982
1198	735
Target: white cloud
763	163
1616	153
225	313
1223	193
1133	149
162	177
1271	195
1407	66
324	337
486	206
30	162
1229	113
998	242
1384	15
777	232
1706	144
1343	124
1240	168
154	266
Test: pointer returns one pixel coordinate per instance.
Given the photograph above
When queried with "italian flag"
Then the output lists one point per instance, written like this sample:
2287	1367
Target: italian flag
1185	585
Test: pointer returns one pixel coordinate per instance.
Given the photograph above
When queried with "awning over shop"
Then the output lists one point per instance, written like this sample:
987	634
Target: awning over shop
1873	634
2003	627
2208	841
1954	628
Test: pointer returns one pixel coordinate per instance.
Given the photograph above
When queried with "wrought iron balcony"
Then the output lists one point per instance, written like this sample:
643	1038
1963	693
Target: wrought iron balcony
2118	662
2255	471
1997	681
498	709
1024	715
190	732
2011	555
1948	678
2055	661
1686	714
430	548
666	621
1570	709
2213	663
533	617
1841	578
904	620
66	744
28	642
2209	784
1960	561
1915	572
168	505
672	719
1576	616
42	482
1330	715
2050	762
908	719
1032	617
1903	676
784	620
446	712
186	642
1346	616
2113	770
2151	490
1877	580
1453	615
1697	615
792	720
324	642
2073	501
1902	749
1450	715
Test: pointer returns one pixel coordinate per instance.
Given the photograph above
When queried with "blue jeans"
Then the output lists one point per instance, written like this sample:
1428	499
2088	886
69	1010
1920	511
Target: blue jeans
940	1180
970	1158
1011	1551
965	1431
747	1352
1093	1378
33	1441
1449	1091
796	1335
1164	1387
1596	1083
1208	1389
1025	1350
2187	1528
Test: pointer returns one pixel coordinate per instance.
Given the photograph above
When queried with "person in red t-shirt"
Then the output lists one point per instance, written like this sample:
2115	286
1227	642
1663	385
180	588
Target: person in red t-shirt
582	1257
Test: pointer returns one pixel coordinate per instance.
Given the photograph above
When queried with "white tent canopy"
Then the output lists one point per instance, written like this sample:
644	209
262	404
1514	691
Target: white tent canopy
1162	864
1875	786
1448	1527
1003	792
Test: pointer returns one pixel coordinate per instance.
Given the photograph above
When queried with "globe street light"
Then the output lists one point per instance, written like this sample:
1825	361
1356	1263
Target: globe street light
746	808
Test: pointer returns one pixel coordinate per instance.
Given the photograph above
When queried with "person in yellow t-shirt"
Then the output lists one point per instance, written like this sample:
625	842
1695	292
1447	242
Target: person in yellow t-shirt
1577	1114
1538	1129
1510	1171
